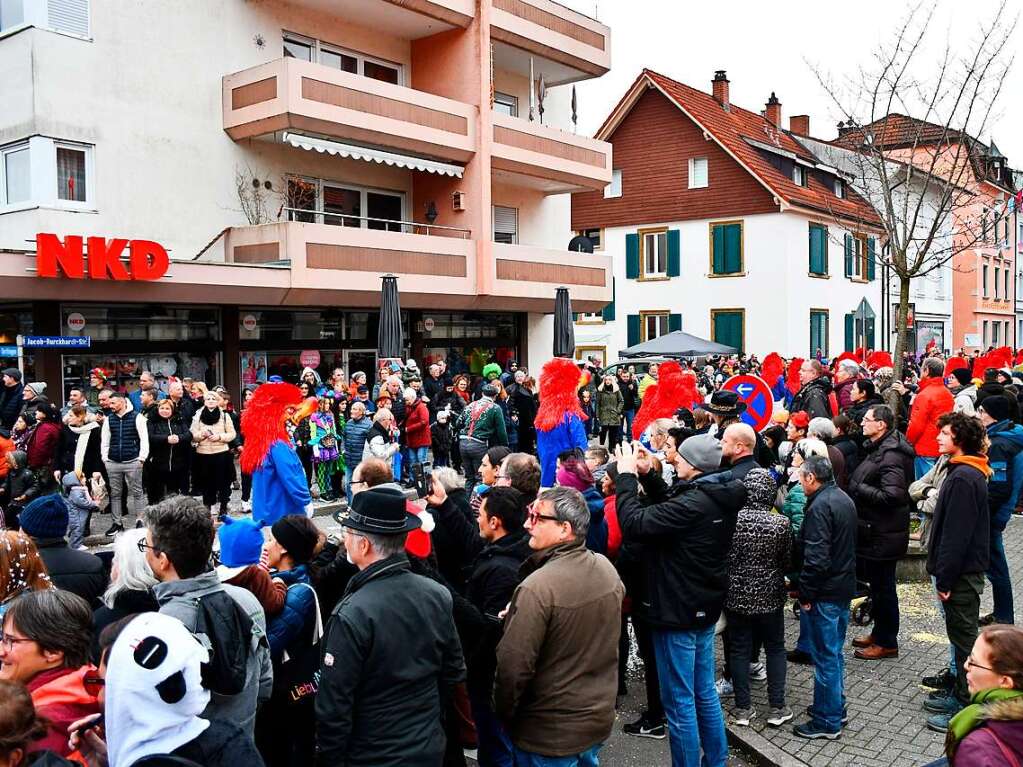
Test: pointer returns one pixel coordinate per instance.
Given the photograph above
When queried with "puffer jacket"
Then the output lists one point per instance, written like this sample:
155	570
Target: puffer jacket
20	481
932	401
814	399
354	434
843	393
1006	458
610	406
417	425
880	489
292	628
162	454
857	410
42	445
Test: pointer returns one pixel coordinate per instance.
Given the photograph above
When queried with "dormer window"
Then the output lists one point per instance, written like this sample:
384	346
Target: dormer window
839	188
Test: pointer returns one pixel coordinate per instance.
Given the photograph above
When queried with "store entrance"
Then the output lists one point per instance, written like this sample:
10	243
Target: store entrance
364	360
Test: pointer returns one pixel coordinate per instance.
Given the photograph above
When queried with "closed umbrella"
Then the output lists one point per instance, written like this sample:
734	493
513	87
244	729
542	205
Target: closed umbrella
389	336
564	331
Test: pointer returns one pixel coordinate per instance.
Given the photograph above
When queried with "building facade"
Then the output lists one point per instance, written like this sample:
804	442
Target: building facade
731	230
287	155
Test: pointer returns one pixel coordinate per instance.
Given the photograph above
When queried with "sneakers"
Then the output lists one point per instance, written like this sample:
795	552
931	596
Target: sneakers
115	528
743	716
845	713
778	716
811	731
943	680
800	657
939	722
757	672
645	727
723	687
937	703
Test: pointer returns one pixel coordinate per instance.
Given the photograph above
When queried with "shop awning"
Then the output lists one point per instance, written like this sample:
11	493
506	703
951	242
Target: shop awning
372	155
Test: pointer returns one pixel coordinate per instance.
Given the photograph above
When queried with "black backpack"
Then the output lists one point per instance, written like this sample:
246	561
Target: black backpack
226	631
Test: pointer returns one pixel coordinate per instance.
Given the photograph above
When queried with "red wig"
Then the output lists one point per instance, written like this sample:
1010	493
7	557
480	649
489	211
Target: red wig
675	388
792	379
772	368
263	421
559	384
954	363
846	356
1001	357
878	360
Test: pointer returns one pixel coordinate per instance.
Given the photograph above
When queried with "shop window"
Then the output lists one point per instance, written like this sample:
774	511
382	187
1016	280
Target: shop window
144	322
123	370
285	326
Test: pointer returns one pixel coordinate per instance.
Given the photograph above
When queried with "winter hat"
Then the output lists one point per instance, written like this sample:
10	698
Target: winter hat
411	365
100	373
442	416
241	542
69	480
761	489
275	379
13	373
963	376
37	387
297	535
800	419
45	517
995	406
702	452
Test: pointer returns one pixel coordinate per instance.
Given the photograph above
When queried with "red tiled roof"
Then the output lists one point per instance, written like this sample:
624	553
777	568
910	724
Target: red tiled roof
898	130
734	127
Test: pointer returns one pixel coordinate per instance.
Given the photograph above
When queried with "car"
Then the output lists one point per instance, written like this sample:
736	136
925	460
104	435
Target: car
638	365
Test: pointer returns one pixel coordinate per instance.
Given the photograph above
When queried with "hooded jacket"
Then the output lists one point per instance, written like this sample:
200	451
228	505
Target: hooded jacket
932	401
814	398
76	496
686	531
961	530
1005	457
417	424
21	481
42	445
880	488
353	437
610	405
966	400
760	554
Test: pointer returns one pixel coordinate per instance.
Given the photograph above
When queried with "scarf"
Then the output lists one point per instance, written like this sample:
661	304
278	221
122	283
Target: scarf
979	462
210	417
82	443
971	717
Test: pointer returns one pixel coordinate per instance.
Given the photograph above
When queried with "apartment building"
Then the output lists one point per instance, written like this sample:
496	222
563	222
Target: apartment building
721	224
286	155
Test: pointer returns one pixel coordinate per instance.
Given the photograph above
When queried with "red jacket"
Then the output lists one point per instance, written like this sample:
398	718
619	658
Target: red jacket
61	698
42	445
417	425
6	446
932	401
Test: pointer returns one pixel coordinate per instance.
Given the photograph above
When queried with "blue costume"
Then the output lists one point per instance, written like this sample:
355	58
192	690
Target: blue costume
569	434
279	486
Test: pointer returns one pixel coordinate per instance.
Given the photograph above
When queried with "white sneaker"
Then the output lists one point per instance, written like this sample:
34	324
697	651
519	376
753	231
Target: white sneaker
743	716
757	672
247	506
723	687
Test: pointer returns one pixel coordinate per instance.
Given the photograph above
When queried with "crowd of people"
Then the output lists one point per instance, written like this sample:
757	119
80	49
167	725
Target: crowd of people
497	611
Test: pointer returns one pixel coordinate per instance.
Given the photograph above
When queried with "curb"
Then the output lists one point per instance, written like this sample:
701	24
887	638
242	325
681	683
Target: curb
758	748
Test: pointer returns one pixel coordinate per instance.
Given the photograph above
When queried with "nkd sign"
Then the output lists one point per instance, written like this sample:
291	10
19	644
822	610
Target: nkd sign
147	260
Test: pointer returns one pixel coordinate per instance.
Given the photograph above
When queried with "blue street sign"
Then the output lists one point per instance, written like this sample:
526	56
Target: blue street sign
56	342
757	396
7	350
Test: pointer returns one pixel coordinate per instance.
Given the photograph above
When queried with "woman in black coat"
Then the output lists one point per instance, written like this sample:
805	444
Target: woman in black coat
524	401
79	445
170	442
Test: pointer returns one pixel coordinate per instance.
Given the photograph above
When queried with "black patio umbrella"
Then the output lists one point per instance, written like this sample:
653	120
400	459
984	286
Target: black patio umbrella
389	336
564	332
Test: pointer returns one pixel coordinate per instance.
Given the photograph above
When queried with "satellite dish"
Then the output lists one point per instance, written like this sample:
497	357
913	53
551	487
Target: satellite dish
580	244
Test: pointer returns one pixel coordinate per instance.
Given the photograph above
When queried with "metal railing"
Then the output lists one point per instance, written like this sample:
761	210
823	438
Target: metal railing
309	216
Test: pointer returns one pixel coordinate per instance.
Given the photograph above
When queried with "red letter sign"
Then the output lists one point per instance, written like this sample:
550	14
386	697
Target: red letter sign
105	260
148	260
51	252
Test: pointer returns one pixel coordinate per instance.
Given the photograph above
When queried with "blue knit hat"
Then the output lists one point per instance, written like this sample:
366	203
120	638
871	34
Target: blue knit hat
45	517
241	542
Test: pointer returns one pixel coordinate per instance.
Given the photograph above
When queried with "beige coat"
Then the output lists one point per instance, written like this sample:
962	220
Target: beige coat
223	433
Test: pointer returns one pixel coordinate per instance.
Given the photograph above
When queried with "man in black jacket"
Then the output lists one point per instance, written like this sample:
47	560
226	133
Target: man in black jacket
813	397
958	553
827	583
686	531
10	397
880	488
389	648
46	520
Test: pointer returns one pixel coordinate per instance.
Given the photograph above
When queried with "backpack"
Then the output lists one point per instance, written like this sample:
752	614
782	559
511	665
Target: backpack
225	630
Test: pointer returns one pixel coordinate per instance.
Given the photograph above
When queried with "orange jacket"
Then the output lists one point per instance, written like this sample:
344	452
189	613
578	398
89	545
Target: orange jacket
932	401
6	446
60	697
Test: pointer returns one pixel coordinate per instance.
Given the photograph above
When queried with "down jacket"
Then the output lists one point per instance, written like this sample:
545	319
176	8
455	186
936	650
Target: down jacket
932	401
880	489
354	434
291	629
1006	458
814	399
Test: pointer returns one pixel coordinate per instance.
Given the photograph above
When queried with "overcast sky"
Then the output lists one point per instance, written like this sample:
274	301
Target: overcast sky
772	46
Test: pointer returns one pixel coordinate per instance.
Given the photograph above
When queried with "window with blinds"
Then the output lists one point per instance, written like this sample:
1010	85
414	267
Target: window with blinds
71	16
506	225
698	173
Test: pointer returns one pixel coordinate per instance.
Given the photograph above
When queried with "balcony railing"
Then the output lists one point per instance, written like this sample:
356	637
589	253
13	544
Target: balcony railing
554	32
330	218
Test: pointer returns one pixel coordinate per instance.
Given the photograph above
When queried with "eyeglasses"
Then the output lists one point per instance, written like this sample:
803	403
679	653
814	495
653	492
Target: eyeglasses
142	546
534	516
971	663
355	482
9	640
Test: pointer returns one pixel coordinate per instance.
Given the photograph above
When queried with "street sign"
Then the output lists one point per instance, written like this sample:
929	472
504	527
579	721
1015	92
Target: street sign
757	396
56	342
7	350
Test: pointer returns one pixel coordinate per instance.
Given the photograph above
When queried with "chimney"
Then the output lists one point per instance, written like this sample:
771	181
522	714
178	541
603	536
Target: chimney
800	125
719	87
773	111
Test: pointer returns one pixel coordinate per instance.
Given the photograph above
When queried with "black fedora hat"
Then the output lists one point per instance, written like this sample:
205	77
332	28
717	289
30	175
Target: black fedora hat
380	511
725	403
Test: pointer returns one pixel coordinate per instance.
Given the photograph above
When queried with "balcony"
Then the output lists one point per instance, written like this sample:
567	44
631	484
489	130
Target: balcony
576	46
550	159
410	19
290	94
526	277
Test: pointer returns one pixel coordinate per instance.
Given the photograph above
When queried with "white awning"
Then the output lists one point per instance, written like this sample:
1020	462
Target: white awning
371	155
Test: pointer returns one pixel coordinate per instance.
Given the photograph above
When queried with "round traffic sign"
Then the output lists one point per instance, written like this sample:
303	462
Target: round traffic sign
756	394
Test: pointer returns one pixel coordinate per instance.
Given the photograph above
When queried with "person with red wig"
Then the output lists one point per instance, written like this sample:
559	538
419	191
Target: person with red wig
559	419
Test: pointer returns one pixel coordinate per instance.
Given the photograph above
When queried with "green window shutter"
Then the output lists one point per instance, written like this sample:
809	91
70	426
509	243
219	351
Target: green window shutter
674	254
632	256
674	322
633	322
733	248
850	331
871	245
848	258
818	250
727	329
718	265
575	316
608	312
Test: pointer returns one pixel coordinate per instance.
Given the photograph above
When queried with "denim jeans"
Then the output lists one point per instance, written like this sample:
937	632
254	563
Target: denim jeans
685	666
587	758
1001	583
495	747
472	451
349	471
803	642
769	627
880	574
415	455
827	622
922	465
630	416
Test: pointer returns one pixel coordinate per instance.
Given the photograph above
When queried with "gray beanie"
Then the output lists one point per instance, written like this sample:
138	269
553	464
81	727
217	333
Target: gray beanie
39	387
702	452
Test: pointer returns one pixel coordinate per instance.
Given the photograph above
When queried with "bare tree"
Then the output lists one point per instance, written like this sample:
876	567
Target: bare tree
258	198
913	124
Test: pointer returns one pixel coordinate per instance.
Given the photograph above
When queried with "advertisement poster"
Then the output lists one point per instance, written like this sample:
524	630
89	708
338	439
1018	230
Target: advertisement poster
253	368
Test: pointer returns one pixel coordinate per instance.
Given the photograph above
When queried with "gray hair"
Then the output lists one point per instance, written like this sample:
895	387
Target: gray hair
386	545
822	428
808	448
821	468
661	426
56	620
133	572
569	506
850	366
934	367
382	413
447	478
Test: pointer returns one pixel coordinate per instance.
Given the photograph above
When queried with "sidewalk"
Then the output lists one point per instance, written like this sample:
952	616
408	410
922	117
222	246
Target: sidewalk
887	725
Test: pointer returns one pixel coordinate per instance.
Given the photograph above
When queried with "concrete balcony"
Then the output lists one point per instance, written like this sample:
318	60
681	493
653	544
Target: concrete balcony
579	47
525	277
405	18
290	94
551	159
